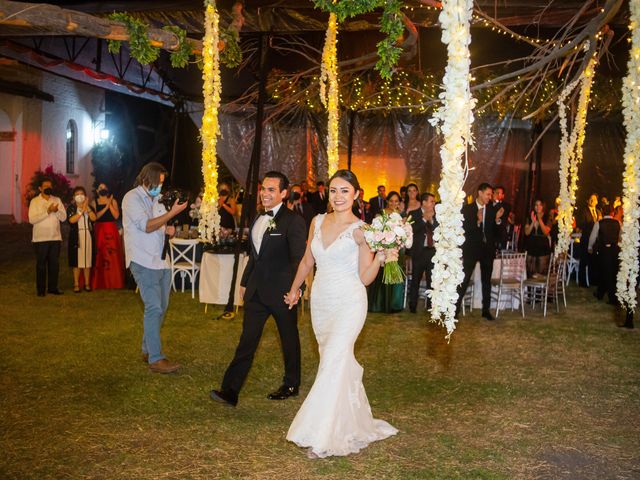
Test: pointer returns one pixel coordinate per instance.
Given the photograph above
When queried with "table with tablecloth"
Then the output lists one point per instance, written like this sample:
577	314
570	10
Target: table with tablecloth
216	272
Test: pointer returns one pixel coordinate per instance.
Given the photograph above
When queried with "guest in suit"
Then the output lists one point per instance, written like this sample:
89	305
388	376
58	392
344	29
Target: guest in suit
586	220
379	203
278	242
423	248
498	203
361	208
480	225
603	242
320	199
294	203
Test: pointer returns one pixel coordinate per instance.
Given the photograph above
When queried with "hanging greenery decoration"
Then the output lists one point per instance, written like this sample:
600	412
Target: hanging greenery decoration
390	24
139	44
180	56
209	225
231	55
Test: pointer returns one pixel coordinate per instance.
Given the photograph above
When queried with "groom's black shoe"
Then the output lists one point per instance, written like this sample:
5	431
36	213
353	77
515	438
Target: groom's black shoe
487	314
230	399
283	393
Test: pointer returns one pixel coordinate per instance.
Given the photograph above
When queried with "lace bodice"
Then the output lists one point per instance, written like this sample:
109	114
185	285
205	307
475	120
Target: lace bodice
341	256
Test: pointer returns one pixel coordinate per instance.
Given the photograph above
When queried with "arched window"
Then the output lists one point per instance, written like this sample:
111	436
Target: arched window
72	136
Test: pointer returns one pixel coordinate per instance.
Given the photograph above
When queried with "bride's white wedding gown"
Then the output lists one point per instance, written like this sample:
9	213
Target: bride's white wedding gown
335	418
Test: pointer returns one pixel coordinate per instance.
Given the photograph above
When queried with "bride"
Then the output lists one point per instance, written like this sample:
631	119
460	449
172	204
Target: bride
335	418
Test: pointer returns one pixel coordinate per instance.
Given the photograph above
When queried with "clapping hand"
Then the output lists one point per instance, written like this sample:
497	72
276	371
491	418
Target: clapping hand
53	207
500	213
480	214
534	217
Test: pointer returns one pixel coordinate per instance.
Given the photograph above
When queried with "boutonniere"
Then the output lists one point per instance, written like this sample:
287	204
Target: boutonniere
271	225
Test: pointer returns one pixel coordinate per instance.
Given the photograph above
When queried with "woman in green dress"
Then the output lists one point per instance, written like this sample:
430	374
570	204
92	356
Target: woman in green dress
387	298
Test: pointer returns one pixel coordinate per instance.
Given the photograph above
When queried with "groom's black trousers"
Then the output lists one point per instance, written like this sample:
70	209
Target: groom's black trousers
255	316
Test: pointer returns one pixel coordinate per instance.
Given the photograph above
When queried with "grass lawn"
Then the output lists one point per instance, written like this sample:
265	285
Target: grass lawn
553	398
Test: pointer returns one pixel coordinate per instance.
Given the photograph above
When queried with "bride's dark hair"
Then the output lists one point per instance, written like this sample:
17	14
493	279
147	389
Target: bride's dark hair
347	176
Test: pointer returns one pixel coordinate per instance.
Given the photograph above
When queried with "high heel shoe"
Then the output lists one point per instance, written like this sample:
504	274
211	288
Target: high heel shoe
76	289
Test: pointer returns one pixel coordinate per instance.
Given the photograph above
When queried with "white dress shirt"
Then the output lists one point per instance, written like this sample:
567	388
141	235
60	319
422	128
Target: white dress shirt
257	233
140	246
46	226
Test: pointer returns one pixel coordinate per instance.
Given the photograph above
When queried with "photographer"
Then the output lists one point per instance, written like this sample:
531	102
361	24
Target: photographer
144	238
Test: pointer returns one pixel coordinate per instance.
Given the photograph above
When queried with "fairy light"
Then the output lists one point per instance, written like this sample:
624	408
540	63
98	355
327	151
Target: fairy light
209	226
630	234
330	96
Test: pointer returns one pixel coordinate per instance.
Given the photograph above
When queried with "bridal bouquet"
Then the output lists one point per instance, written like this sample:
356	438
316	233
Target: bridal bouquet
389	231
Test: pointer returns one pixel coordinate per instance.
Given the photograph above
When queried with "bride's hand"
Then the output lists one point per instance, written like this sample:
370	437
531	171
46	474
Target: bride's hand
387	256
292	298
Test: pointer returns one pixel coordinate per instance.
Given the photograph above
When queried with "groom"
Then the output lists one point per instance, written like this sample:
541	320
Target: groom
278	242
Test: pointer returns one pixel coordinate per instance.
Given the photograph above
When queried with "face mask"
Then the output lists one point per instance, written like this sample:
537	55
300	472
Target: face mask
79	198
47	191
155	191
103	193
223	193
295	196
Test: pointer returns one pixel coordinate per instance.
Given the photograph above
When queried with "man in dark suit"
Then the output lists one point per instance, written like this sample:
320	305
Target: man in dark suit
585	221
423	248
278	241
294	202
319	199
603	242
361	208
377	204
498	203
480	225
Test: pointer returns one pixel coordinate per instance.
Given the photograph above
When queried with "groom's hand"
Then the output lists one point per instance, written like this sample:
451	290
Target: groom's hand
242	290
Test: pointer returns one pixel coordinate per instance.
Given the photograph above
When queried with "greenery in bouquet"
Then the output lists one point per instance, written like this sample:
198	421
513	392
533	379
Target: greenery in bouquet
386	232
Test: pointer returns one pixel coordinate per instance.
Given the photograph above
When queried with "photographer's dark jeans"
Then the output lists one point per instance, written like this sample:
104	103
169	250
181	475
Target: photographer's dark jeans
47	262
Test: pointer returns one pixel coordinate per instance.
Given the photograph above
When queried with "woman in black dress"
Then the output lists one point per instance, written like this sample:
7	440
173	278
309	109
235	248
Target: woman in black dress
538	240
227	208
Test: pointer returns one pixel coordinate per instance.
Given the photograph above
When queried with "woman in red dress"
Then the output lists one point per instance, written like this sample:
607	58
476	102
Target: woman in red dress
108	269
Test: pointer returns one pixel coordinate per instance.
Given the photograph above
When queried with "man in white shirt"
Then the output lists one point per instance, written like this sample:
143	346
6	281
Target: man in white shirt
144	231
45	214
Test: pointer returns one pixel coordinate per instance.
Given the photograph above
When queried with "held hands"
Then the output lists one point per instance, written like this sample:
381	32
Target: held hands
292	298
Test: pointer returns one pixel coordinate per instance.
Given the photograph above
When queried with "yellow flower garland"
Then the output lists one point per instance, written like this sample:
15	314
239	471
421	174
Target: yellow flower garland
209	226
630	235
329	74
571	154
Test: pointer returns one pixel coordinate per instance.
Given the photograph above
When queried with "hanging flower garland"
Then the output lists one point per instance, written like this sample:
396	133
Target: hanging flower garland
630	236
330	96
209	225
455	118
571	153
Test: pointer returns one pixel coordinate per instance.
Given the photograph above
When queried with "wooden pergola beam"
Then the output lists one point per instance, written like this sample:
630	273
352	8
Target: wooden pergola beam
32	19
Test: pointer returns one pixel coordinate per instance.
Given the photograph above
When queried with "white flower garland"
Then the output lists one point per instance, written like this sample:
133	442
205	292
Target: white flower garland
571	153
209	226
630	236
455	118
330	98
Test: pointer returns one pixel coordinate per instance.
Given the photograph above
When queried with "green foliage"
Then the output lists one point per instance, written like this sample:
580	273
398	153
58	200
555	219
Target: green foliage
180	56
114	46
391	25
231	55
139	45
59	183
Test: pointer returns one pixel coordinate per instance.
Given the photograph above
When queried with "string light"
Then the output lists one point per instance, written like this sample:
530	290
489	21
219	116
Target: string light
330	97
630	234
209	226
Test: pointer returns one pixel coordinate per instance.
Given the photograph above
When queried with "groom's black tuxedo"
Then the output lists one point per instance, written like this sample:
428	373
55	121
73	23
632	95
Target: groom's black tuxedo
267	278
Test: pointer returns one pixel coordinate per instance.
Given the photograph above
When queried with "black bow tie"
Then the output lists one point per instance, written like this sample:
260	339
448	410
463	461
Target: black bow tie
268	212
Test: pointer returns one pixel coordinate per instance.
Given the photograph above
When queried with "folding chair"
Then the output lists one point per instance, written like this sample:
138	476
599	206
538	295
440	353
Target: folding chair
513	272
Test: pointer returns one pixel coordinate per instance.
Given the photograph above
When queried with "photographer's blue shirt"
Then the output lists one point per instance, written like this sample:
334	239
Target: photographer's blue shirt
140	246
